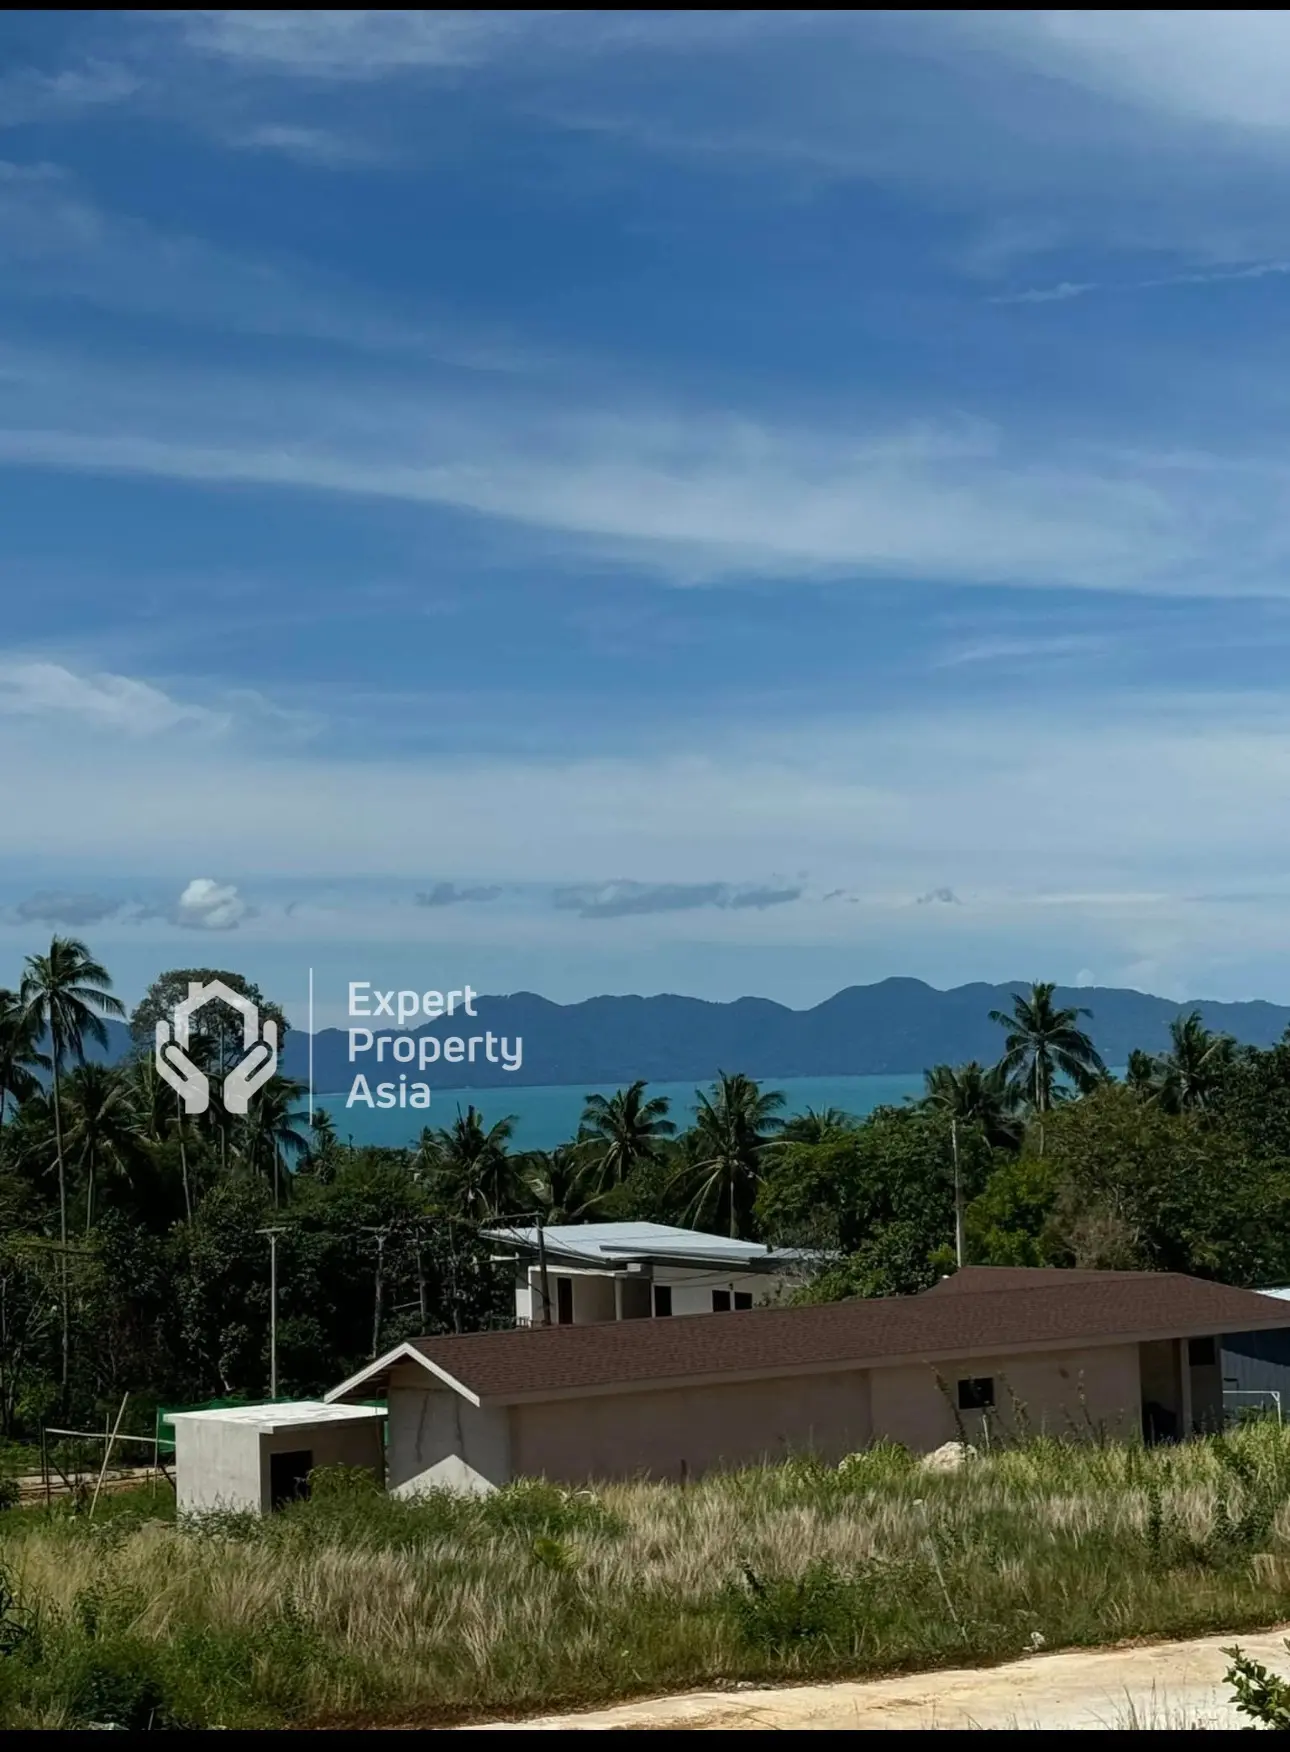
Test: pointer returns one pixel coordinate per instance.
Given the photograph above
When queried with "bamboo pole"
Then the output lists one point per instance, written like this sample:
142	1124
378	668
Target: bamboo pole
107	1455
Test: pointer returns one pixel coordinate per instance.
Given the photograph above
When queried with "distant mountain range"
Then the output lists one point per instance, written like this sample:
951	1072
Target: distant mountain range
895	1026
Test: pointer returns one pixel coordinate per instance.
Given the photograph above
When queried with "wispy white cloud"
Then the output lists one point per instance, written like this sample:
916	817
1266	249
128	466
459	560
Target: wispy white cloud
34	689
56	241
307	145
29	95
688	494
1068	289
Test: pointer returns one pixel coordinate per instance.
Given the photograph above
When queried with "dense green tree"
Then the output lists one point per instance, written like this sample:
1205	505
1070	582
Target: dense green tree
272	1133
1191	1073
1139	1187
476	1175
1044	1044
1011	1221
818	1127
66	994
20	1057
102	1134
973	1096
624	1131
563	1184
734	1134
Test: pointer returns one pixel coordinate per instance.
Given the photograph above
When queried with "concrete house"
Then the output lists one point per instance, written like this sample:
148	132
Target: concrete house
1073	1352
637	1271
259	1457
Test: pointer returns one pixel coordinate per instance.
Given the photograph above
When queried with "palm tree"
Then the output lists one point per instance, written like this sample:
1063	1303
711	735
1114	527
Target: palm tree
1189	1074
65	995
625	1130
475	1167
825	1126
561	1184
1142	1074
1043	1044
975	1100
733	1129
973	1096
18	1055
102	1131
272	1130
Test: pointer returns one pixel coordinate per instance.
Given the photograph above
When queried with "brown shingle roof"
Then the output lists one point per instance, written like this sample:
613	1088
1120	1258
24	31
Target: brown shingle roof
1069	1308
969	1279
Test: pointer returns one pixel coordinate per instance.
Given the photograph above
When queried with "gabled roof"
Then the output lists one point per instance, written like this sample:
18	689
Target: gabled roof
1065	1311
970	1279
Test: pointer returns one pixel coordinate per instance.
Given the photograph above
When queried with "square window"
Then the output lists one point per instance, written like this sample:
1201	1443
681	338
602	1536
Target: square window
977	1394
743	1298
721	1301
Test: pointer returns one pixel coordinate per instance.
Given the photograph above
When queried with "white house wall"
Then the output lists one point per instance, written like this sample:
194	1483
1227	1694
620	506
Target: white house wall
594	1299
440	1441
217	1466
222	1464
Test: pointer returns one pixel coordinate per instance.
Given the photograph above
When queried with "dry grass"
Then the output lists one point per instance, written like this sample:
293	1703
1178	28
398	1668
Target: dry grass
355	1607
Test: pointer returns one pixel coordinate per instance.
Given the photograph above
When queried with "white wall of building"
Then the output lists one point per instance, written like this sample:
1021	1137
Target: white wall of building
217	1466
594	1294
440	1441
221	1464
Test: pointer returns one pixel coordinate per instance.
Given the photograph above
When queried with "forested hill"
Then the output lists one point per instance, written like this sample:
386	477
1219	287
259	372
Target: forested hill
897	1025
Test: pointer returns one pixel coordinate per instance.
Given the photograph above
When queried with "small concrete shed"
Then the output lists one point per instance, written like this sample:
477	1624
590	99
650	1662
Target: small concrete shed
259	1457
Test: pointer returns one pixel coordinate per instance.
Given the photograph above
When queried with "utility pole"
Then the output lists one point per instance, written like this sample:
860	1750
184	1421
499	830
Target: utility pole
273	1306
382	1236
546	1288
958	1194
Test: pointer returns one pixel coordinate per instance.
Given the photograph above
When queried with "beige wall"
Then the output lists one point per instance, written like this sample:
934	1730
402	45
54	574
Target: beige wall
1062	1392
691	1430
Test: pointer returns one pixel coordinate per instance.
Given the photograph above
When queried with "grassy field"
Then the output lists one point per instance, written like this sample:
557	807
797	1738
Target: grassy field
356	1608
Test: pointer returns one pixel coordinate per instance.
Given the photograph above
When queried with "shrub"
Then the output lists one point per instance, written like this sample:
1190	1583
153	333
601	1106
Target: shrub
1258	1693
780	1615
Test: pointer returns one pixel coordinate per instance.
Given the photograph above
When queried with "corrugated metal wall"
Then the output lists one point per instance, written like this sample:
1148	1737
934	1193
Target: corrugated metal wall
1256	1362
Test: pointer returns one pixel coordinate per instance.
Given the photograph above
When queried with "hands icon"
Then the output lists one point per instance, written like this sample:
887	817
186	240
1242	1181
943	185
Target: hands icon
255	1069
189	1081
181	1073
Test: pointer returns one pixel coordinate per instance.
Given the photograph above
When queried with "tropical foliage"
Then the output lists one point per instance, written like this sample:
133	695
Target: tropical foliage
133	1253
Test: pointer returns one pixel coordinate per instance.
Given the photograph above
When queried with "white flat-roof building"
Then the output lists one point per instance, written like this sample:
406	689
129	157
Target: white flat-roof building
258	1457
637	1271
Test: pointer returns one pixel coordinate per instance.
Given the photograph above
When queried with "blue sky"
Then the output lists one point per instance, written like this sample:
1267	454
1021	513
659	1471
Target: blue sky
720	503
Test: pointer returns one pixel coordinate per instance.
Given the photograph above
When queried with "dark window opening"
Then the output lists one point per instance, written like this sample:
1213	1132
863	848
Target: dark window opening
564	1301
977	1394
289	1476
662	1298
743	1298
1201	1351
721	1301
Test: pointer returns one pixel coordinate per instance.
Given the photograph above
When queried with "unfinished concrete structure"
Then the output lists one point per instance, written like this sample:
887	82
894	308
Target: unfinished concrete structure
259	1457
1075	1353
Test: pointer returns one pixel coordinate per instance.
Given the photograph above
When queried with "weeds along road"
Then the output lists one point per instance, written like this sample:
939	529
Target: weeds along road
1157	1685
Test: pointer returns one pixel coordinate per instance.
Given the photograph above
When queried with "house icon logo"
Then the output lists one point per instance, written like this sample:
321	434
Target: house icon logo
259	1047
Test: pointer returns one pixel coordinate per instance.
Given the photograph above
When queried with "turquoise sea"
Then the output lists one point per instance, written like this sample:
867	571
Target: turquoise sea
549	1116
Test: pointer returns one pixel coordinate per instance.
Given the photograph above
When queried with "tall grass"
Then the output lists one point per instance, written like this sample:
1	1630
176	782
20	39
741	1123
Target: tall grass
355	1607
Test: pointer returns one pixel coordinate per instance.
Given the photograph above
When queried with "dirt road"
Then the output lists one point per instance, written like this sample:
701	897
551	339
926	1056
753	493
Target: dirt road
1162	1685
